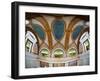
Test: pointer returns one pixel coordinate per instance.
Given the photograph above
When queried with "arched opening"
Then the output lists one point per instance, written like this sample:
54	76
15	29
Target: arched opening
83	41
72	52
58	53
28	46
31	49
85	44
31	44
44	52
72	23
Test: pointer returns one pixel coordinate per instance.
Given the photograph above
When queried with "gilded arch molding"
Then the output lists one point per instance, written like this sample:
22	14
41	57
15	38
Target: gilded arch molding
43	21
31	30
47	29
70	26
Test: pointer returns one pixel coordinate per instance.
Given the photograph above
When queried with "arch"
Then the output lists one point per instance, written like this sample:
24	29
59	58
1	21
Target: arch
85	30
58	53
31	30
44	52
71	25
72	52
42	20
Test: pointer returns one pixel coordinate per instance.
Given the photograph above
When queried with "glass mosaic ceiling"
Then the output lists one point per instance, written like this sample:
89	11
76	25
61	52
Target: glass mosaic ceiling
76	32
39	31
58	29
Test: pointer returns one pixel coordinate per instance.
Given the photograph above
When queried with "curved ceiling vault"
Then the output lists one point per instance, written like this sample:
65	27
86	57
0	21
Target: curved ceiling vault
70	27
43	21
58	26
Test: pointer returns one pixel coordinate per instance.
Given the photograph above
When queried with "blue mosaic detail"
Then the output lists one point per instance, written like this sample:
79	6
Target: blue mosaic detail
58	29
76	32
39	31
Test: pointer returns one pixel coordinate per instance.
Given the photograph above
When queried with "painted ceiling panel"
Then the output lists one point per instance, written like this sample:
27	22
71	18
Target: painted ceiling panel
58	29
39	31
76	32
